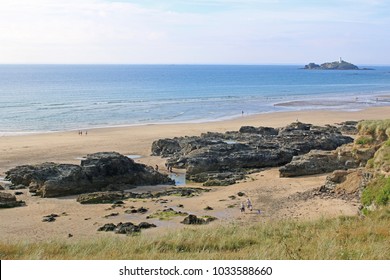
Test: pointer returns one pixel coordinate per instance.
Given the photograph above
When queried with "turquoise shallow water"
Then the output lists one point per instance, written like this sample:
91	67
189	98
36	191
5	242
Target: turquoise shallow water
40	98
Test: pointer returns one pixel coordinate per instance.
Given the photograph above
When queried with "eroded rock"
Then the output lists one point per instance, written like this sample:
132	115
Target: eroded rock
98	172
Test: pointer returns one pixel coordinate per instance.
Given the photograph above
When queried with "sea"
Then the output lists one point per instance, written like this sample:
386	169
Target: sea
48	98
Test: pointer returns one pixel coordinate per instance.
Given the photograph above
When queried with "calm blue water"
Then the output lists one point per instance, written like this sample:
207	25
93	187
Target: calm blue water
35	98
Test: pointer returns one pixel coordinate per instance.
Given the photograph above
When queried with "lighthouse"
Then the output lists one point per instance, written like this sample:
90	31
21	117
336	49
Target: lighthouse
341	60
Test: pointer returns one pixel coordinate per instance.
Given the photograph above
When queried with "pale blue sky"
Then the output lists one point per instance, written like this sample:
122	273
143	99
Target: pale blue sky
194	31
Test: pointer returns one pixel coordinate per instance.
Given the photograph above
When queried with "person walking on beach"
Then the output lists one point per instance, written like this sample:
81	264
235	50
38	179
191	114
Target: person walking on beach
249	204
242	207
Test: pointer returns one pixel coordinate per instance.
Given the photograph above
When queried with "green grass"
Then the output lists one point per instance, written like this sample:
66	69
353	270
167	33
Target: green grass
338	238
364	140
377	192
167	214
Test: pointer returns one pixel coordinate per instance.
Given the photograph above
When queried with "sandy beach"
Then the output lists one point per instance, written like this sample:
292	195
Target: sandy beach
269	193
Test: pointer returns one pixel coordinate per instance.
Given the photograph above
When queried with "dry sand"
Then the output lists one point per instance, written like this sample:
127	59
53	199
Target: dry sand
269	193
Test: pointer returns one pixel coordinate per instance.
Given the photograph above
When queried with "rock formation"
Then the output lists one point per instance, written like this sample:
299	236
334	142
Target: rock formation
223	158
99	171
336	65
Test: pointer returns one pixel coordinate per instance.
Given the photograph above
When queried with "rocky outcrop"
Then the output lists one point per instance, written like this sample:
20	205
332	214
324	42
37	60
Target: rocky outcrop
100	197
8	200
224	158
115	196
336	65
314	162
99	171
318	162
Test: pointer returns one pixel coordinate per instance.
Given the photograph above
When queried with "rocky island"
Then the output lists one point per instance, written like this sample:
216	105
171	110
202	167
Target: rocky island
336	65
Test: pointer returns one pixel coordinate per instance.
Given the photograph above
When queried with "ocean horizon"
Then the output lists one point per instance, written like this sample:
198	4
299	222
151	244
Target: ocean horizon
48	98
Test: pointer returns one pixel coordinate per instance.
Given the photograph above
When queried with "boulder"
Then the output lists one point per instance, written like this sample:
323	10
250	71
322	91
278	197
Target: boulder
8	200
126	228
194	220
145	225
98	172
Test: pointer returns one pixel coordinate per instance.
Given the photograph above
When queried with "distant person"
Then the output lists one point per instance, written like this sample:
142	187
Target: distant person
86	132
242	207
242	113
249	204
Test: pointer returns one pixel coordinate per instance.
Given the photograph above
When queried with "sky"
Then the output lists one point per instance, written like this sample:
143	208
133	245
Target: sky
194	31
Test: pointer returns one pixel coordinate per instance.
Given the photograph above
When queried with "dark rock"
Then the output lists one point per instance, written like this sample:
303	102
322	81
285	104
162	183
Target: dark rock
111	215
259	130
99	197
8	200
18	193
312	66
348	127
99	171
194	220
315	162
220	159
145	225
107	227
50	218
17	187
127	228
240	194
1	188
118	202
165	147
208	208
140	210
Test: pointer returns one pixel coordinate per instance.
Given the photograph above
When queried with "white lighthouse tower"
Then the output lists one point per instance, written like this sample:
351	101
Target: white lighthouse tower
341	60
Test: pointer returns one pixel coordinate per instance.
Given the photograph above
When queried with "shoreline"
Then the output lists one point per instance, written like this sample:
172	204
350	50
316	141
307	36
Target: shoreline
288	104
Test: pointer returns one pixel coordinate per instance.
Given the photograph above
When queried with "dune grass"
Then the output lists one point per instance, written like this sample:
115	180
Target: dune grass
377	129
339	238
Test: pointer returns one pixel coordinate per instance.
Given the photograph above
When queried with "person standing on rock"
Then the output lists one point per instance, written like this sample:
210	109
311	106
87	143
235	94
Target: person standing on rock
249	204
